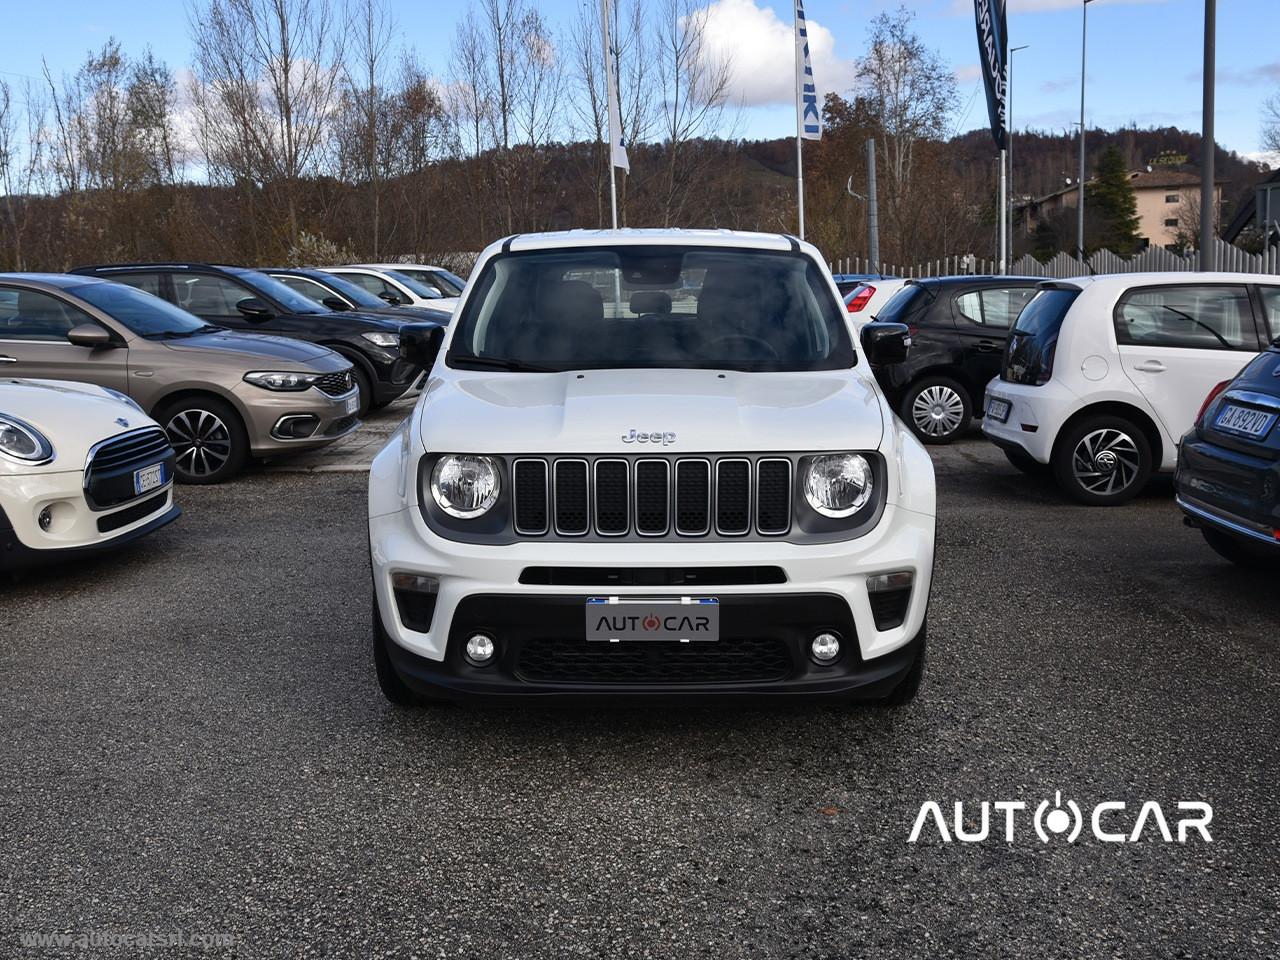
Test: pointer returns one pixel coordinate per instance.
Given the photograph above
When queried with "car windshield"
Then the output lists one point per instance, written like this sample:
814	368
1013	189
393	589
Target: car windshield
906	305
356	294
143	313
449	284
287	297
636	307
418	289
1029	354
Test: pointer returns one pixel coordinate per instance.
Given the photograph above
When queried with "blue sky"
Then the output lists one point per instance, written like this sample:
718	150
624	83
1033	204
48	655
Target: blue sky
1145	55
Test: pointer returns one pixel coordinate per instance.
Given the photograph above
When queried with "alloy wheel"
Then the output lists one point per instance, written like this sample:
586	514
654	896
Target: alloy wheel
201	441
1106	461
938	411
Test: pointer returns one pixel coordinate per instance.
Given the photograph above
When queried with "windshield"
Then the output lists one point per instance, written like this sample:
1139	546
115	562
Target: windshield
418	289
1028	357
907	305
449	284
288	298
635	307
143	313
356	294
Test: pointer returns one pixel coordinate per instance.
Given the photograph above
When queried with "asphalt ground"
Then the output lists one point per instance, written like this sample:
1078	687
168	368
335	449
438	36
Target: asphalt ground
194	743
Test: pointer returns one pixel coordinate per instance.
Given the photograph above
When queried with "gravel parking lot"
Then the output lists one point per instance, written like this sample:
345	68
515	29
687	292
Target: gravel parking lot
195	742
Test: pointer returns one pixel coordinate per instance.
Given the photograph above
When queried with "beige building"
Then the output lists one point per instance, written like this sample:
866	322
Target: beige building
1168	202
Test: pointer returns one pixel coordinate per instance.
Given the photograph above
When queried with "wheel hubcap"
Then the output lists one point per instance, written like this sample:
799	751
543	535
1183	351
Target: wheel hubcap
201	441
1106	461
937	411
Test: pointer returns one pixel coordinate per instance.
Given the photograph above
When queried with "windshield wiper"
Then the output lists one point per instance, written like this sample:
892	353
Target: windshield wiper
499	363
179	334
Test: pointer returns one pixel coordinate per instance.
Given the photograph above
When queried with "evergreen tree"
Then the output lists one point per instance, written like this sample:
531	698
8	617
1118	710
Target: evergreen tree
1044	240
1113	206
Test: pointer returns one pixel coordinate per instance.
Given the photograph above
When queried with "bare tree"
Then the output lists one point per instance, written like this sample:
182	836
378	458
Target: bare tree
1271	123
22	164
362	139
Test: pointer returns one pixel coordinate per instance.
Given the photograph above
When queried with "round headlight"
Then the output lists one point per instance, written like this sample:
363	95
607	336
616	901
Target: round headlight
23	441
838	484
465	486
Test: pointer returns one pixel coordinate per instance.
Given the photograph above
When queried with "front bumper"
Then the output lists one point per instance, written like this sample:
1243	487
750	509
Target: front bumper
822	584
76	529
263	409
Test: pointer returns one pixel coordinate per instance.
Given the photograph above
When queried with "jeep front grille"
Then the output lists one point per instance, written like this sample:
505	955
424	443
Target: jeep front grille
648	497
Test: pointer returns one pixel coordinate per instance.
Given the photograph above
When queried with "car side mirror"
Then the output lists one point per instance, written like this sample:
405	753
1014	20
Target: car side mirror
886	343
391	298
420	343
336	303
90	335
254	309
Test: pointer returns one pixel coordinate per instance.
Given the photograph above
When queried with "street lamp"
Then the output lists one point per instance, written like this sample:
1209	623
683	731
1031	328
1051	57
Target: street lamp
1208	190
1009	133
1084	39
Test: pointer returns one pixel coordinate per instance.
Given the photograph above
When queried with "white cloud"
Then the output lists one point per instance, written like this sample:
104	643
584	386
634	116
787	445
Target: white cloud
760	49
1270	157
968	73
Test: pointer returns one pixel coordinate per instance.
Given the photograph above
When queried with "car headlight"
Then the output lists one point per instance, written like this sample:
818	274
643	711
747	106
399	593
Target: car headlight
389	341
285	380
23	441
465	486
838	484
125	398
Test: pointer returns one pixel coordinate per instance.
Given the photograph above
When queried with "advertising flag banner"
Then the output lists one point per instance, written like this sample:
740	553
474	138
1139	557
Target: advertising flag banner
993	55
807	112
617	147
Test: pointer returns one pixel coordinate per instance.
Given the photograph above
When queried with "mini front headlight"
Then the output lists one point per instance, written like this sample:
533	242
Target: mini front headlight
465	486
281	380
22	441
838	484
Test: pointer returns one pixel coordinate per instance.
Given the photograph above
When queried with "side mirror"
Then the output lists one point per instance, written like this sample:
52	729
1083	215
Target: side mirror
420	343
254	309
886	343
391	298
336	303
90	335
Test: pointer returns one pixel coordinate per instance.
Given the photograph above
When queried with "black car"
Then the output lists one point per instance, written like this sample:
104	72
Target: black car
958	326
336	292
249	301
1228	478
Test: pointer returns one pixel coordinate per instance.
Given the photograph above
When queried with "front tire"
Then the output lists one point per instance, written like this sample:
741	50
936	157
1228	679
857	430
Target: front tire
1102	461
210	441
937	409
1240	551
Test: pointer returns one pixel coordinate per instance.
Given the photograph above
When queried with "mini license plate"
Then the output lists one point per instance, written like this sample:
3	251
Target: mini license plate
998	410
1251	423
351	405
148	478
685	619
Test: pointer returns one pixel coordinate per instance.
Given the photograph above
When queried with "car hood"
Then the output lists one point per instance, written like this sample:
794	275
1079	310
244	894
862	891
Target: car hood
706	410
73	416
255	348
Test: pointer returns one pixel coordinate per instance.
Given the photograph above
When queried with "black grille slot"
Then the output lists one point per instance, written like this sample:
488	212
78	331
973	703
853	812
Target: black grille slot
653	497
336	384
108	479
571	497
122	518
132	448
693	497
889	607
773	496
611	497
733	496
530	484
560	660
651	576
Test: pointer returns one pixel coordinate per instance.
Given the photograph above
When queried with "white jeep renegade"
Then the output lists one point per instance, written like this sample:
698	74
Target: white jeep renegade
651	462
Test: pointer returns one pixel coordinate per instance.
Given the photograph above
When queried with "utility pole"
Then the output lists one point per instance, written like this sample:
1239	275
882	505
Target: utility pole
873	212
1084	41
1208	190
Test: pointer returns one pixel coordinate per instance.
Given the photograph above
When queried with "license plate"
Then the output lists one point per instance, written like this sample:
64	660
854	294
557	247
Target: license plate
148	478
998	410
1243	420
685	619
351	405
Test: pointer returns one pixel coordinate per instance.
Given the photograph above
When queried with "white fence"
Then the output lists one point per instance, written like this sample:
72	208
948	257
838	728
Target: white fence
1229	259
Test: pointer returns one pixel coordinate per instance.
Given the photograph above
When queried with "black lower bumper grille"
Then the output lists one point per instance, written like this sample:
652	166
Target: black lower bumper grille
122	518
550	660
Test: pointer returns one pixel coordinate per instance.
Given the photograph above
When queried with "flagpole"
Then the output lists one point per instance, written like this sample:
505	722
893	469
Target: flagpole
610	95
799	179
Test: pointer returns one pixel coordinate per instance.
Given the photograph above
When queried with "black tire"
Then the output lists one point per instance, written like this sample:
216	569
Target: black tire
1025	462
365	387
937	409
208	436
909	686
389	682
1241	551
1102	461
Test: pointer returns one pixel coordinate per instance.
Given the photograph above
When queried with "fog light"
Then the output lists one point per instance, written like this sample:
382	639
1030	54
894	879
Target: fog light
885	582
825	648
480	649
45	519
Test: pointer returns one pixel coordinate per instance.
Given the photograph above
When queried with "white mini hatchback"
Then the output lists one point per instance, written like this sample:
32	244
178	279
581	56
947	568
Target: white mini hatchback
1103	375
651	463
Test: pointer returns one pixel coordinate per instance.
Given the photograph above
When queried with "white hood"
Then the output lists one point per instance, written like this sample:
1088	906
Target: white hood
591	411
72	416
